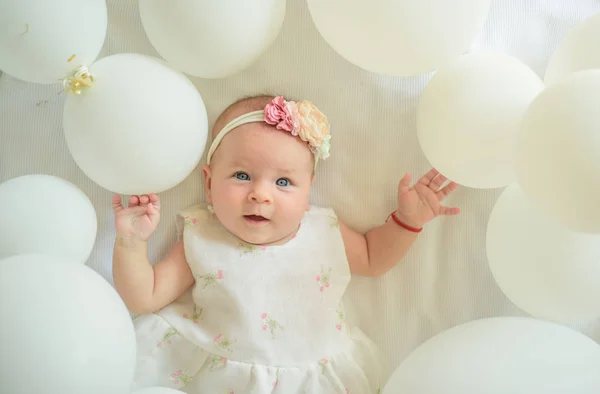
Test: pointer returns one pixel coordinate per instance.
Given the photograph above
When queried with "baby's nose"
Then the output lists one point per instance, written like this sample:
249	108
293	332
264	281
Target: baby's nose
260	194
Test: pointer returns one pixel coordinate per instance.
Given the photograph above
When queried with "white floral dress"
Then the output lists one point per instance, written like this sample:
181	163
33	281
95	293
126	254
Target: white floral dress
259	319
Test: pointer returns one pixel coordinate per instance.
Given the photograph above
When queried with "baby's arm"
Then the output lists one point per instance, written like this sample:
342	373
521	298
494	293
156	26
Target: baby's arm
382	247
145	288
378	251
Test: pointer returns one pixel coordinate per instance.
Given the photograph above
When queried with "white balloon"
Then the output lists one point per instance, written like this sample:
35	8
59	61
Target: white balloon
558	165
141	128
499	356
157	390
545	269
64	329
399	37
44	41
212	39
48	215
577	51
468	117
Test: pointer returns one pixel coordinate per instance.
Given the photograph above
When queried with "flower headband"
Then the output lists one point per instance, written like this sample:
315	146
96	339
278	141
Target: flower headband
301	119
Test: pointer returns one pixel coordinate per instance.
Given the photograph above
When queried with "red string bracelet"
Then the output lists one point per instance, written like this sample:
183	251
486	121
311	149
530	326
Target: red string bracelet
405	226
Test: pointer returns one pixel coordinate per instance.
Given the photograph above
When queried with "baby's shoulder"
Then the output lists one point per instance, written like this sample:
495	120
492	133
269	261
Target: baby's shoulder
195	216
194	210
317	210
322	216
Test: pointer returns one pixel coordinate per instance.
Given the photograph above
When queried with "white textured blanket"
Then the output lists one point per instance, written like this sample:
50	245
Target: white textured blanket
445	279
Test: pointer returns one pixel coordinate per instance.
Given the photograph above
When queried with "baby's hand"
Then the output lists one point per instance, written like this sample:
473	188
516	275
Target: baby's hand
139	219
421	203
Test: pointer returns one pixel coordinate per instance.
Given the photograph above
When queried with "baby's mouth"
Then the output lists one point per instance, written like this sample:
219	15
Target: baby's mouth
256	218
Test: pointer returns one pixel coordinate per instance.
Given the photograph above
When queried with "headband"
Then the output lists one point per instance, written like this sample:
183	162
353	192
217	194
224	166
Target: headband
301	119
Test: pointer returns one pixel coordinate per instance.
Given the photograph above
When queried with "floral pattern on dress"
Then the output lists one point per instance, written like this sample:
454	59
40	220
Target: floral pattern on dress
211	279
181	379
341	319
323	364
166	340
189	221
253	250
216	363
224	343
276	382
333	221
270	324
196	316
323	279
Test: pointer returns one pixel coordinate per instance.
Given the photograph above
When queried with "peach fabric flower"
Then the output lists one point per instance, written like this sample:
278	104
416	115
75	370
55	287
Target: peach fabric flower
302	119
314	127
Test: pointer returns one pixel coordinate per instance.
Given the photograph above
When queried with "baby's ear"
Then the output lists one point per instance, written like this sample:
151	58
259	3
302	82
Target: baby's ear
207	173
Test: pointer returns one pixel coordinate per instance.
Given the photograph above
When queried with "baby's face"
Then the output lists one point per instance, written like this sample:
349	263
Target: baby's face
259	183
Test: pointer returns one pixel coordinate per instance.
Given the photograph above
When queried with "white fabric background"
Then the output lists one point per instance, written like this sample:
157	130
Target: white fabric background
445	279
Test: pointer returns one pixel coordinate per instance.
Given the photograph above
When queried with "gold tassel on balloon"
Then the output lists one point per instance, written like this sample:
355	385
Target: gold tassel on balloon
80	79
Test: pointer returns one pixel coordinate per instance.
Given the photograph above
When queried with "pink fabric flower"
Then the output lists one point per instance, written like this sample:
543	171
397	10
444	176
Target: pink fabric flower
282	115
339	327
263	316
318	278
220	274
265	327
327	284
292	116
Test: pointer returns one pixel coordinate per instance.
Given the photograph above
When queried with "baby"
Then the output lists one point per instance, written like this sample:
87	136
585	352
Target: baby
249	301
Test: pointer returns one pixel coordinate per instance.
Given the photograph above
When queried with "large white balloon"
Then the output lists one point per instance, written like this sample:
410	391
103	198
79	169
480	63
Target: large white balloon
545	269
141	128
499	356
558	160
64	329
48	215
468	117
212	39
399	37
43	41
577	51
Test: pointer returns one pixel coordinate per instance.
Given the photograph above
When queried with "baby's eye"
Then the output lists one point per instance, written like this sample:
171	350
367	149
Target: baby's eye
283	182
242	176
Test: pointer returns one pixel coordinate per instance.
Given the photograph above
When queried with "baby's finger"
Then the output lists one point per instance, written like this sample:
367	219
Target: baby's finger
427	178
134	201
449	211
445	192
152	212
144	199
404	185
116	203
437	182
155	201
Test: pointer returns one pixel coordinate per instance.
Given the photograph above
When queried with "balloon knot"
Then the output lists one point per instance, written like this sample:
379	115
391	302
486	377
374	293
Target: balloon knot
80	79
